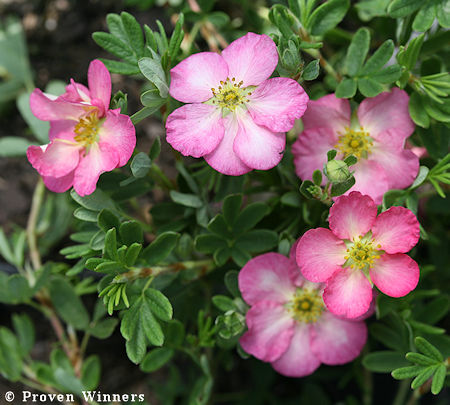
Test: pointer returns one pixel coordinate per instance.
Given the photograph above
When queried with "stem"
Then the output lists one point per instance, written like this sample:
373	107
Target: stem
158	174
403	389
36	203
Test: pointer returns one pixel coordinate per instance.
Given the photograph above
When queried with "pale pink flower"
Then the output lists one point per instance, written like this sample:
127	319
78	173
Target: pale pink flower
288	324
359	250
376	135
237	116
86	137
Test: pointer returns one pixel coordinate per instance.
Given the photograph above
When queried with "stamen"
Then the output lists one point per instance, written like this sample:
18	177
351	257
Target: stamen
229	95
87	129
354	142
307	305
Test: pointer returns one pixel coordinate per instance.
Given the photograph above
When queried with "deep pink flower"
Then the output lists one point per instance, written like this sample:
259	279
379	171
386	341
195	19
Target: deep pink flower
288	325
86	137
376	136
238	116
359	250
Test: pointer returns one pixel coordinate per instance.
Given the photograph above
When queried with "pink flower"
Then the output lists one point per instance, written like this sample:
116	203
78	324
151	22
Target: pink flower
359	250
86	137
238	116
288	324
377	140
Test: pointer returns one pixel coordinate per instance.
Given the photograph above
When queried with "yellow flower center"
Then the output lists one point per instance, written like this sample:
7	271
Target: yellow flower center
355	142
362	253
230	94
87	129
307	305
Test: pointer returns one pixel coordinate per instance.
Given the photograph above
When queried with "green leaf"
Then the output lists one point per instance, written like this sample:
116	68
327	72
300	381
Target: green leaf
85	215
25	332
312	70
10	355
369	87
443	13
317	177
218	226
133	32
123	68
379	58
402	8
357	51
417	111
140	165
427	348
153	71
257	240
67	303
387	75
115	46
327	16
250	216
155	359
131	232
223	303
90	372
208	243
185	199
159	304
231	207
231	282
151	98
160	248
420	359
383	361
5	248
95	201
132	254
12	146
409	56
104	328
239	256
425	17
110	250
423	376
438	379
155	149
406	372
38	127
178	34
107	220
346	88
340	188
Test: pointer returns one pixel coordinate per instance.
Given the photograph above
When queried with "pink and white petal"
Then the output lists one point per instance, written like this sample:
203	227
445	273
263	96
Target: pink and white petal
76	92
401	164
266	277
388	110
55	159
395	275
298	360
352	215
223	159
119	133
194	77
294	271
257	146
348	293
327	112
396	230
49	109
62	129
310	151
195	129
270	330
337	341
251	58
276	103
101	158
320	254
99	81
59	184
370	180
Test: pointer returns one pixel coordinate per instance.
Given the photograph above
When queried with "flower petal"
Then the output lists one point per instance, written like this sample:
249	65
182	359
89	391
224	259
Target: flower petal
270	330
370	180
48	109
337	341
298	360
99	81
320	254
388	110
266	277
402	165
327	112
76	92
119	133
56	159
352	215
397	230
348	293
60	127
59	184
251	58
395	275
195	129
257	146
101	158
276	103
310	151
223	159
194	77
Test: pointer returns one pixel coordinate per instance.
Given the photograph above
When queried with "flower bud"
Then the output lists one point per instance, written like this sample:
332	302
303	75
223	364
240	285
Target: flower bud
337	171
